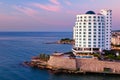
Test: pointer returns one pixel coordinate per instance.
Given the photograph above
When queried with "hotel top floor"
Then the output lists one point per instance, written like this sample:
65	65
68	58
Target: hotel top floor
92	16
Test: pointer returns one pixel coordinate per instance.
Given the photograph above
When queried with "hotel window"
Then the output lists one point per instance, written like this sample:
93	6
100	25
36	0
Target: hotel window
94	26
89	39
84	16
89	36
94	29
94	17
94	42
89	23
79	32
89	45
94	23
84	29
99	23
94	39
89	29
89	32
94	32
89	16
94	45
84	26
102	17
99	26
89	42
79	29
94	35
84	39
89	26
84	32
98	45
84	36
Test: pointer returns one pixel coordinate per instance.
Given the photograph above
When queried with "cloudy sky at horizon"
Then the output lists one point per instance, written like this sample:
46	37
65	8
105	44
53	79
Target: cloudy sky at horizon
50	15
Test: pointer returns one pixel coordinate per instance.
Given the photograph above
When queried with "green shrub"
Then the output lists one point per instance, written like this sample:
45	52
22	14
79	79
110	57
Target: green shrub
44	57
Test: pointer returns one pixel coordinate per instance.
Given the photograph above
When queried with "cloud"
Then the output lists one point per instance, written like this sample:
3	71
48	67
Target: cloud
68	3
54	2
48	7
28	11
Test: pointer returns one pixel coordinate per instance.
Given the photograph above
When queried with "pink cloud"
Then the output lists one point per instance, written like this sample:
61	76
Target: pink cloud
26	10
48	7
54	2
68	3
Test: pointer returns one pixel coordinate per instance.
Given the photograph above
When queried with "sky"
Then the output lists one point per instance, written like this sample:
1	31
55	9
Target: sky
51	15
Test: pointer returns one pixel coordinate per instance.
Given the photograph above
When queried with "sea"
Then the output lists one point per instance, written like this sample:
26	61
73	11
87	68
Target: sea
17	47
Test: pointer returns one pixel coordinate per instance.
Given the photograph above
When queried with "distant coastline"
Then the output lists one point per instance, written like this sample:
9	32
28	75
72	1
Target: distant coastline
62	41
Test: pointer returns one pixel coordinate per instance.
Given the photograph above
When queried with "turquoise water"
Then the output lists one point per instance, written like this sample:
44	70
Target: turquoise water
17	47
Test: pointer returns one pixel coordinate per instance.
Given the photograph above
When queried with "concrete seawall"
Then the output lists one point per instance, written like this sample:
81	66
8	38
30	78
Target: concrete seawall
62	62
94	65
84	65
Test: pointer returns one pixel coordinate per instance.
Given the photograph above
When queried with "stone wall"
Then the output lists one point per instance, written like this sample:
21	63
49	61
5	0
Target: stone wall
94	65
62	62
83	65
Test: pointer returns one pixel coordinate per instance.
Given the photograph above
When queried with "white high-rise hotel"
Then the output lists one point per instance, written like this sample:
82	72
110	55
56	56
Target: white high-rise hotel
92	32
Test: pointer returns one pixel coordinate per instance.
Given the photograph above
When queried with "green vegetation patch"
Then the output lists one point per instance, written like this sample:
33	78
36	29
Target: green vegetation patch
44	57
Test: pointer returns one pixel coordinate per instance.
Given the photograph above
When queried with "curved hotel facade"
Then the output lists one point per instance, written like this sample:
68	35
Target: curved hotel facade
92	32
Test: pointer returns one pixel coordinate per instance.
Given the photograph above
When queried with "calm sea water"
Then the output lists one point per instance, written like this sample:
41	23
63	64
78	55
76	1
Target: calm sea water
17	47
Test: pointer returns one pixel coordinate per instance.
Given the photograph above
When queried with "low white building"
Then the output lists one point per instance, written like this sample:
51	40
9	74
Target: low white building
92	32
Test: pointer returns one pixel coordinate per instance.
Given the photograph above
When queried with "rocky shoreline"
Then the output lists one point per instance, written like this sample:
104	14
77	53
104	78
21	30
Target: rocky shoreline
43	65
63	63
